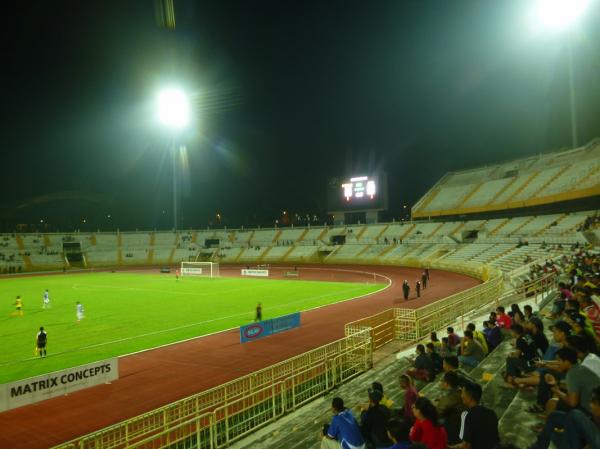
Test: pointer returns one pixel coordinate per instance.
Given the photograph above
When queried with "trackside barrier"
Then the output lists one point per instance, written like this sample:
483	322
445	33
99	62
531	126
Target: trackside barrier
412	324
217	417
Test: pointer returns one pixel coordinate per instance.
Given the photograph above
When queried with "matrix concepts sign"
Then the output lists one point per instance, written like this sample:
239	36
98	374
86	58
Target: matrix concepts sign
58	383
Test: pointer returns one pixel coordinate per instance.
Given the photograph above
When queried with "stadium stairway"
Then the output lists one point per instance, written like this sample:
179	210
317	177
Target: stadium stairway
299	429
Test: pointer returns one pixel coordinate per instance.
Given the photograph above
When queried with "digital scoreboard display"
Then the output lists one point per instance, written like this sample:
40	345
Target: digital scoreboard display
359	187
358	193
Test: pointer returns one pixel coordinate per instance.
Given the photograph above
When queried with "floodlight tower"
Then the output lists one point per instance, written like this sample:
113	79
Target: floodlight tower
561	16
173	110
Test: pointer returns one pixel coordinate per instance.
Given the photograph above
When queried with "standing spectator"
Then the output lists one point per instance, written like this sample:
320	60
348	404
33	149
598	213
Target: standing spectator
418	288
41	340
424	280
427	429
450	406
343	432
453	339
410	396
405	290
502	319
492	334
398	431
423	366
480	426
470	350
373	422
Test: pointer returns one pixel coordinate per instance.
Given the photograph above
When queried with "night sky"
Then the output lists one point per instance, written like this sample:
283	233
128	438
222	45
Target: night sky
286	95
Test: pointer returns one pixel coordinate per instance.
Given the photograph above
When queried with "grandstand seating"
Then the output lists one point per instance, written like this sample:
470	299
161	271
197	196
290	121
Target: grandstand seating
525	182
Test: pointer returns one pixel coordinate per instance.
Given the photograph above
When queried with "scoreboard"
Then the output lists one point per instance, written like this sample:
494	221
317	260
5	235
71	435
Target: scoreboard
358	193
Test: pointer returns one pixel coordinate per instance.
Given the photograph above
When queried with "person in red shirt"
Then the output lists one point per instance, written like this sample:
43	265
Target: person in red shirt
502	319
427	429
410	397
592	311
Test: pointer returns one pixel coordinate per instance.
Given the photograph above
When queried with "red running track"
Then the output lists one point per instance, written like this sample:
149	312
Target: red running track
153	378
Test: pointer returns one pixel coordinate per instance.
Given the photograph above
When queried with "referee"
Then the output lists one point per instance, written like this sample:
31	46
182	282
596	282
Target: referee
40	342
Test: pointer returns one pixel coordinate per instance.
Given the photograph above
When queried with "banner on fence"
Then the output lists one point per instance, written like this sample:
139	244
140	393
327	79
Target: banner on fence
251	272
254	331
39	388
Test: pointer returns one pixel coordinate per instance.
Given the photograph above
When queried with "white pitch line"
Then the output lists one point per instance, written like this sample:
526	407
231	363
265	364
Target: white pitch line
97	345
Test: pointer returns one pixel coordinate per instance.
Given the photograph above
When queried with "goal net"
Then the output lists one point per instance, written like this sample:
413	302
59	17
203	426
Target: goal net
205	269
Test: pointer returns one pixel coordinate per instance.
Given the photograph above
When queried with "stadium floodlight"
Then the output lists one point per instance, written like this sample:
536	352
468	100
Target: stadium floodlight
559	14
173	108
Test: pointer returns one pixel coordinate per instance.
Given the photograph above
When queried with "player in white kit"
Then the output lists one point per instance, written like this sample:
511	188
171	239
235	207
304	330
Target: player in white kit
80	311
46	304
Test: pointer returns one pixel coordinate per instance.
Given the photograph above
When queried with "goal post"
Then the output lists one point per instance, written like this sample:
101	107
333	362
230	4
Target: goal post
204	269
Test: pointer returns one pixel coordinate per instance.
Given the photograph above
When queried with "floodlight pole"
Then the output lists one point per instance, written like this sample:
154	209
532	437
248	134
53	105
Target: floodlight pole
574	136
174	161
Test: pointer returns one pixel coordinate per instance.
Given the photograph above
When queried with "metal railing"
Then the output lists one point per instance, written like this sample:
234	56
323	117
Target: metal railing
221	415
217	417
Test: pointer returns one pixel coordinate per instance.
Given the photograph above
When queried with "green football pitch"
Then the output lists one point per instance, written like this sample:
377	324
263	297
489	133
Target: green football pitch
129	312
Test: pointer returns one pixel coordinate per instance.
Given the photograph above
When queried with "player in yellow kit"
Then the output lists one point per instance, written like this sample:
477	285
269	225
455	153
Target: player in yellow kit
18	306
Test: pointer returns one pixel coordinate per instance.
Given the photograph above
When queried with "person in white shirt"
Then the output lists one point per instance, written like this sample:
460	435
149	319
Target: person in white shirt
80	312
46	303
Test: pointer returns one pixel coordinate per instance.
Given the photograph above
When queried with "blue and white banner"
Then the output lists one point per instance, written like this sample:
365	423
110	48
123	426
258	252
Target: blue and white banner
255	331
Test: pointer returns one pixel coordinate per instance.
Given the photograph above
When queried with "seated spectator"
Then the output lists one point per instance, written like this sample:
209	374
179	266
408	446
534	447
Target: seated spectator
479	337
503	321
453	339
423	366
373	422
592	311
492	335
398	431
581	346
493	318
480	426
525	352
577	322
435	358
451	364
436	341
535	329
410	397
583	431
427	429
580	382
343	432
385	401
529	313
446	349
471	351
450	406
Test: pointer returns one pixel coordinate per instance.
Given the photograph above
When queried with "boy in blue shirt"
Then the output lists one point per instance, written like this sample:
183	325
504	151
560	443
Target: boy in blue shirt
343	432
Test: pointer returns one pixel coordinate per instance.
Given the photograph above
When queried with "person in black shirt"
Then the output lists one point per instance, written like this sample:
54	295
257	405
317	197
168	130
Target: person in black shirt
480	426
405	290
535	330
418	288
424	280
40	342
423	369
436	359
258	316
373	422
525	351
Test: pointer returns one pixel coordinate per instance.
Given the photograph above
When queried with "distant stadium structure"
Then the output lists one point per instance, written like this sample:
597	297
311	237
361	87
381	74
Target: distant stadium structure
563	179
